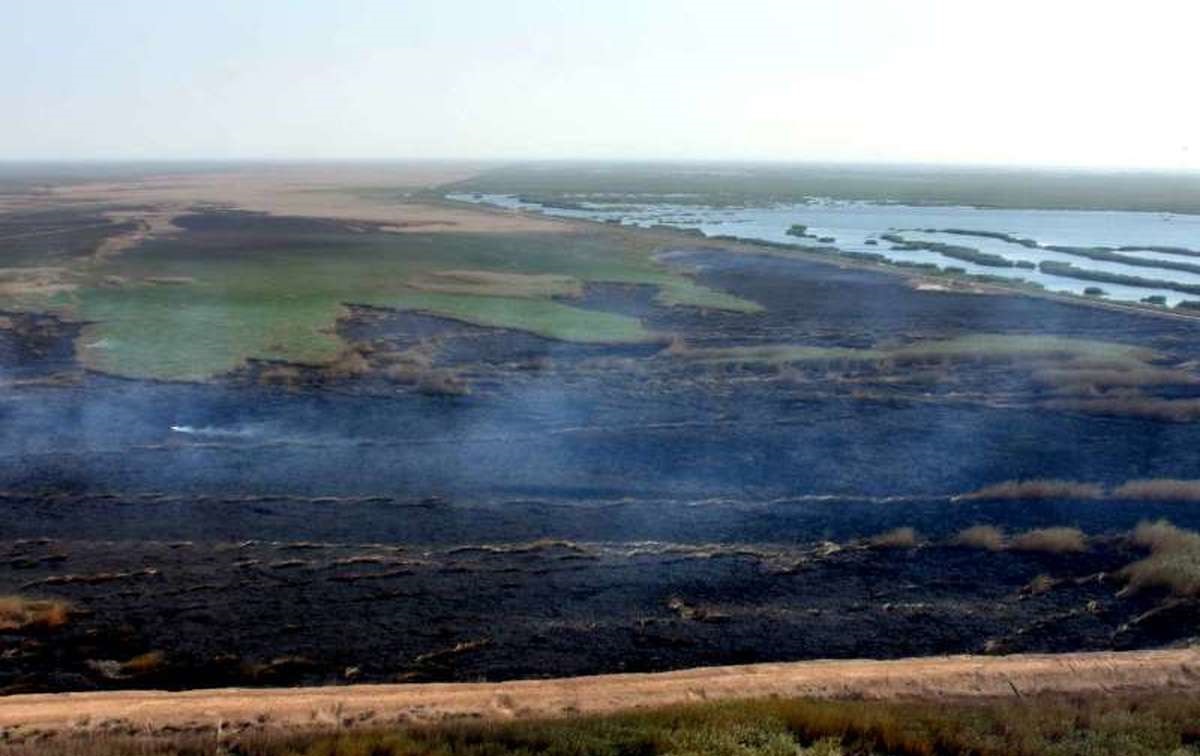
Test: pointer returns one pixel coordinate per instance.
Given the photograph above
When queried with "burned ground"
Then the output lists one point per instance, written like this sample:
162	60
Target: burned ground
261	612
561	508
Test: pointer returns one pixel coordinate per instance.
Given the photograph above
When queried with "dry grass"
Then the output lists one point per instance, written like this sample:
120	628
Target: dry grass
1051	541
313	192
18	613
1159	489
1083	380
1116	724
1173	564
419	356
1039	585
1163	536
414	367
1151	408
145	664
1019	490
988	537
982	347
351	362
35	282
898	538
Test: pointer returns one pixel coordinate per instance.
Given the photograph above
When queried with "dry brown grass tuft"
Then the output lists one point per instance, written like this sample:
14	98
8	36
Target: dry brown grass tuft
351	362
1039	585
414	367
1088	379
1161	535
1038	489
1051	541
898	538
145	664
987	537
678	347
1173	564
1159	489
24	613
38	282
419	357
1151	408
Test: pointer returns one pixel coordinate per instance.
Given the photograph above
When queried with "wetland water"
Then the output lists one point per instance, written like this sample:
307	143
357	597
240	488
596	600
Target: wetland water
859	227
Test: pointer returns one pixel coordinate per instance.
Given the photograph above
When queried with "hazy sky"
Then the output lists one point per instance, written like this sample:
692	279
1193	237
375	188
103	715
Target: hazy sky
1095	82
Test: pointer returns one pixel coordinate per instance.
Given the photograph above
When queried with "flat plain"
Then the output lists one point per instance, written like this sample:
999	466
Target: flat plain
301	425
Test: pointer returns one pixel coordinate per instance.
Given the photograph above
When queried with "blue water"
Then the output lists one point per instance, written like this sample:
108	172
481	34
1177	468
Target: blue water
852	224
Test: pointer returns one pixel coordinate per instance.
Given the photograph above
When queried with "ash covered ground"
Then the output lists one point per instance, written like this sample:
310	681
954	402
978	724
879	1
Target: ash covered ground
525	507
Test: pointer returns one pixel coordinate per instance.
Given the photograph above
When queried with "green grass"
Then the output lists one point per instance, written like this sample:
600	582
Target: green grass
1101	725
542	317
281	300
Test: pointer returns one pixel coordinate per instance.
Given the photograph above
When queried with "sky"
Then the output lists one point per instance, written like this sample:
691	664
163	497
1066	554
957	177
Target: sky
1101	83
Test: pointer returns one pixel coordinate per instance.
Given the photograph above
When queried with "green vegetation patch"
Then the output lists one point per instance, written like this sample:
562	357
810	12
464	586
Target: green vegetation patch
542	317
236	295
493	284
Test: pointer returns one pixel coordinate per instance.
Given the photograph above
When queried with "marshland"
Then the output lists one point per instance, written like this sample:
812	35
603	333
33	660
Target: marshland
428	440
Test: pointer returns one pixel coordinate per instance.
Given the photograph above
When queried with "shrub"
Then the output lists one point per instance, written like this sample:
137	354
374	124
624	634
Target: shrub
350	363
987	537
1038	489
1051	541
898	538
1163	536
1159	489
1173	564
24	613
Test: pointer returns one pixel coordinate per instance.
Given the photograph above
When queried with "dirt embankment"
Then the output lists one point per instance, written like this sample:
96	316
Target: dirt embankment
291	708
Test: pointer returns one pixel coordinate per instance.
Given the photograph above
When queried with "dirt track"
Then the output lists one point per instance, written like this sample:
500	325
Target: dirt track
929	678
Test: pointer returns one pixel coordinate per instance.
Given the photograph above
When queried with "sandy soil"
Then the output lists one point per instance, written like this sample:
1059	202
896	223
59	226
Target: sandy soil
926	678
369	194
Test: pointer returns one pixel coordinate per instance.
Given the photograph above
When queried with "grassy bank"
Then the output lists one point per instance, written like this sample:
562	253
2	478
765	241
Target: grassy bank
201	304
1102	724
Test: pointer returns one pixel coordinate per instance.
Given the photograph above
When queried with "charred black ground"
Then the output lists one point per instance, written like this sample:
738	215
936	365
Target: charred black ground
512	506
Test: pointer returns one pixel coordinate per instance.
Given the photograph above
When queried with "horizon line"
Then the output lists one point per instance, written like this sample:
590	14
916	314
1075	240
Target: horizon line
631	161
